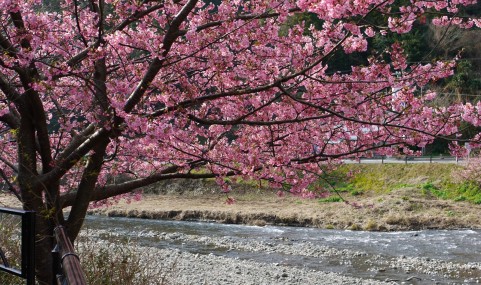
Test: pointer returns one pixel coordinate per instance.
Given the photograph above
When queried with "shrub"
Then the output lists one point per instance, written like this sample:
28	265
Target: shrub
104	263
371	225
119	262
10	229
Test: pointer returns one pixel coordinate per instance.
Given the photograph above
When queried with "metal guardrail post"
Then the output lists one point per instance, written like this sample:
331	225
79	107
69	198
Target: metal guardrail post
56	267
27	270
28	246
70	261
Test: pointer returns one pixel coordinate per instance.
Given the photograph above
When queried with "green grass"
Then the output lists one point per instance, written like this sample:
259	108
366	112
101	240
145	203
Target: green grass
434	180
331	199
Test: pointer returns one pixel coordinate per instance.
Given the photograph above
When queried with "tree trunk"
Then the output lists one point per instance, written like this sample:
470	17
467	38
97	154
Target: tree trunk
44	243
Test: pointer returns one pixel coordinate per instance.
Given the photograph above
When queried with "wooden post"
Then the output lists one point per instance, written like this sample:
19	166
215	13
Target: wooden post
69	259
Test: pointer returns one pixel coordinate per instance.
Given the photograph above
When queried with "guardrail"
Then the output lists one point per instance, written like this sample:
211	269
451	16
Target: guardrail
27	270
408	159
66	262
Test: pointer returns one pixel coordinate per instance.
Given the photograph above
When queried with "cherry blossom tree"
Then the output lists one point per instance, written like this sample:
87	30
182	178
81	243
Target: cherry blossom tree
151	90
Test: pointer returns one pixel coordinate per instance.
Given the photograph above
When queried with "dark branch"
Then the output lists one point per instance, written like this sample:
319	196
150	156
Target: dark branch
154	68
126	187
137	16
254	123
73	157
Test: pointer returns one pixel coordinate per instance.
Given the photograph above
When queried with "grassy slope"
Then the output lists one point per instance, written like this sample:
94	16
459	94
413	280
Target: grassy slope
439	180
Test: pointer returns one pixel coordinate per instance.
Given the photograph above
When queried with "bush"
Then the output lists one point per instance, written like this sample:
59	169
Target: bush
10	229
103	263
119	262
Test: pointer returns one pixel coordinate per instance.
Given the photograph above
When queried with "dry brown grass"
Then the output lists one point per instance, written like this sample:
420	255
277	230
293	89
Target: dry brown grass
119	263
403	209
10	245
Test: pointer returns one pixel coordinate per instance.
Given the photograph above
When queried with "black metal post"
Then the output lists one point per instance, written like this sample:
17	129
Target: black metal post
27	270
28	246
56	266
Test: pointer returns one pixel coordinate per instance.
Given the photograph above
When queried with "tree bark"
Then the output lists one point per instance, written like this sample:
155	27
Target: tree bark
85	190
44	243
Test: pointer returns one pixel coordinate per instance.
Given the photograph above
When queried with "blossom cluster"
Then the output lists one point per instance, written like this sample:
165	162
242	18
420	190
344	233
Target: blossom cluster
237	88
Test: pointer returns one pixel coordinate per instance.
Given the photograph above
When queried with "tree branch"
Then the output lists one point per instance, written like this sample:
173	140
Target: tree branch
254	123
75	142
73	157
9	164
126	187
85	189
12	121
11	188
137	16
154	68
239	17
7	89
7	46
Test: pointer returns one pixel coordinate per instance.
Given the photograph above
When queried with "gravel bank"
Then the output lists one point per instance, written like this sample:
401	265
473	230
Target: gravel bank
177	267
210	269
416	269
180	266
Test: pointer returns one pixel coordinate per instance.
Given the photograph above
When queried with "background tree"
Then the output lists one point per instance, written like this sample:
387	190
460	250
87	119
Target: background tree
156	90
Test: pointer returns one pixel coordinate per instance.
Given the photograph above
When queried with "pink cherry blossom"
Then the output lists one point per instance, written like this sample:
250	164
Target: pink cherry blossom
100	99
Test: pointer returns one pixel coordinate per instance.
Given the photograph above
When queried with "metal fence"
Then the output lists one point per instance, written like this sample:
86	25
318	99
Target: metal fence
27	268
66	263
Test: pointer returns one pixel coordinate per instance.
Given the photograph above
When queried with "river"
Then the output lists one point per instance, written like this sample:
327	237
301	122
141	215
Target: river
414	257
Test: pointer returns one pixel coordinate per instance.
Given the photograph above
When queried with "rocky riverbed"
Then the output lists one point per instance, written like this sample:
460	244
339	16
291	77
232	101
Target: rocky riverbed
175	267
187	268
415	269
198	253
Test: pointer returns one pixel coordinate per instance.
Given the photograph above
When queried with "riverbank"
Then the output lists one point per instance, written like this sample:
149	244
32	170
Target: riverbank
376	198
406	208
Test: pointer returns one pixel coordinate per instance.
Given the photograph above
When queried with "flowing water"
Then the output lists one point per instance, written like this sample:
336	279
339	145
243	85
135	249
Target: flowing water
416	257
